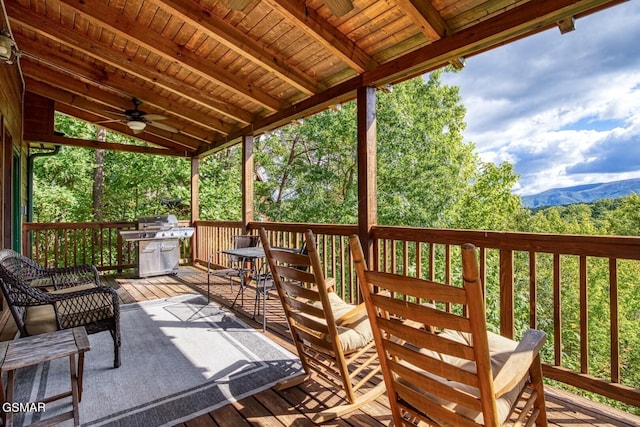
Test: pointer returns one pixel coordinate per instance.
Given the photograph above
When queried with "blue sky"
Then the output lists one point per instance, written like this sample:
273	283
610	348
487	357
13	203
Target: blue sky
563	109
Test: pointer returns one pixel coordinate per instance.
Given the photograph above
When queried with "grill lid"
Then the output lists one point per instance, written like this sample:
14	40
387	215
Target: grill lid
156	228
158	222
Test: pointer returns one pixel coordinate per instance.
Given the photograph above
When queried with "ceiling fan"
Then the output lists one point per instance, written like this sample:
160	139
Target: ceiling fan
137	120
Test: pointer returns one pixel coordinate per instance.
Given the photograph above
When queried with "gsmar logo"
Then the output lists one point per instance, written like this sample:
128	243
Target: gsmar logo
19	407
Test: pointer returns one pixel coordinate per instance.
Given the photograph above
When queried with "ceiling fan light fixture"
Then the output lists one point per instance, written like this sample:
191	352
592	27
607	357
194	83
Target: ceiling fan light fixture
136	125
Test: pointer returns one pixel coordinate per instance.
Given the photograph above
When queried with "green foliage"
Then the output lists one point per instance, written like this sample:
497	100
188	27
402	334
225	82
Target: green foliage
135	184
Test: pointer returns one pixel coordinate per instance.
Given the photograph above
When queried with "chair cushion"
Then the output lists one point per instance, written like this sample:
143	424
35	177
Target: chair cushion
40	319
354	336
73	289
499	349
87	309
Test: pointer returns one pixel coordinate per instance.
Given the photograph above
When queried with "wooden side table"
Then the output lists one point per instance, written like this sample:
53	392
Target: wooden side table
41	348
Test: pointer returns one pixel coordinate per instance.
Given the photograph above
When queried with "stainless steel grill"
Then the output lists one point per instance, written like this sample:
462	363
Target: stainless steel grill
159	245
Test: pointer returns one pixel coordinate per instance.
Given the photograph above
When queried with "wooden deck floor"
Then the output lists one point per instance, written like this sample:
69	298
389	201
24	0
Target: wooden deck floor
293	407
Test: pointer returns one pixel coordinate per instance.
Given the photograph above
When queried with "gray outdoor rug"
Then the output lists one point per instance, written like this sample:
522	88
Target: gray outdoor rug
180	358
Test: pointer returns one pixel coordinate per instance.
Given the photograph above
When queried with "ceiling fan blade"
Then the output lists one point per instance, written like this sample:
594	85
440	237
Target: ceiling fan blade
107	121
154	117
339	7
164	127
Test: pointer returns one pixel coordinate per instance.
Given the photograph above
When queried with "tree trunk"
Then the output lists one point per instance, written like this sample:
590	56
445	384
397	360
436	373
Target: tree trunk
98	178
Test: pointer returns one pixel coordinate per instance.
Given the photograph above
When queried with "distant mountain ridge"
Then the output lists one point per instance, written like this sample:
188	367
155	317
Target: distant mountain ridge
587	193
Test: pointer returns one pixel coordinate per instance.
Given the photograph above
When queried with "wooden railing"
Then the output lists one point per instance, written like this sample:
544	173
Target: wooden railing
581	290
546	282
97	243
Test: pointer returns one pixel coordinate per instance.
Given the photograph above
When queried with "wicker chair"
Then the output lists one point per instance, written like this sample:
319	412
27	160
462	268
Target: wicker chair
70	304
451	372
333	338
33	274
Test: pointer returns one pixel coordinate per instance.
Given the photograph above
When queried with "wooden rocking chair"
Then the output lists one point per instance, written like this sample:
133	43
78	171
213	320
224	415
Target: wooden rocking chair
333	338
439	363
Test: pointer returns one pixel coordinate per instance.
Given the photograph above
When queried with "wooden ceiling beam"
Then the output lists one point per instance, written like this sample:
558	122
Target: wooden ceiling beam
88	143
527	18
238	42
530	17
100	96
316	27
61	96
120	128
433	25
109	18
24	17
51	57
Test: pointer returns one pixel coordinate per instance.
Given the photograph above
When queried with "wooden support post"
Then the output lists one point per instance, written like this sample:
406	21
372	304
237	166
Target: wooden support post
195	205
367	170
247	181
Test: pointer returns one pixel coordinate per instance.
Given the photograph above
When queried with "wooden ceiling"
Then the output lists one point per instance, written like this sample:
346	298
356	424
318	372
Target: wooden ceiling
217	73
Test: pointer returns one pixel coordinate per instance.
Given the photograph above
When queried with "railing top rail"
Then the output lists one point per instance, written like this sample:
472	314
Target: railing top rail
335	229
35	226
212	223
626	247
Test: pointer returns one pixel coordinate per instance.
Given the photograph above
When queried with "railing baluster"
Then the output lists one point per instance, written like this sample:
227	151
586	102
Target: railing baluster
584	317
507	326
557	314
615	327
533	291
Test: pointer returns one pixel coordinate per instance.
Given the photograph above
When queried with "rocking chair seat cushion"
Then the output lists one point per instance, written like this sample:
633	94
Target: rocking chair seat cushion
499	349
354	336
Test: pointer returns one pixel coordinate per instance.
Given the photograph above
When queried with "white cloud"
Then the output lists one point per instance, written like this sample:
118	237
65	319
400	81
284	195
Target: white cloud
564	109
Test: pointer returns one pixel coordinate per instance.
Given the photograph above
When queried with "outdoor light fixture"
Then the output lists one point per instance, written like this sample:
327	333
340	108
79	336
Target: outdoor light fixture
136	125
8	49
339	7
238	4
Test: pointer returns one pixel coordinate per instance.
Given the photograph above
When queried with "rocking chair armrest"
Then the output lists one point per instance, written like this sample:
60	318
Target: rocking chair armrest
330	283
519	362
353	315
67	277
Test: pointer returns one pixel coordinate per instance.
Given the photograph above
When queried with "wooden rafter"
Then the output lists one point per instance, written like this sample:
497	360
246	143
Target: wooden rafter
119	127
533	16
117	83
316	27
100	97
219	74
433	25
59	95
88	143
109	18
238	42
105	53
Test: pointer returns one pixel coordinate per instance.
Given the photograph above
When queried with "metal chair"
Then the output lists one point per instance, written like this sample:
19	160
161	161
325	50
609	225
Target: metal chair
234	265
333	338
264	284
440	365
